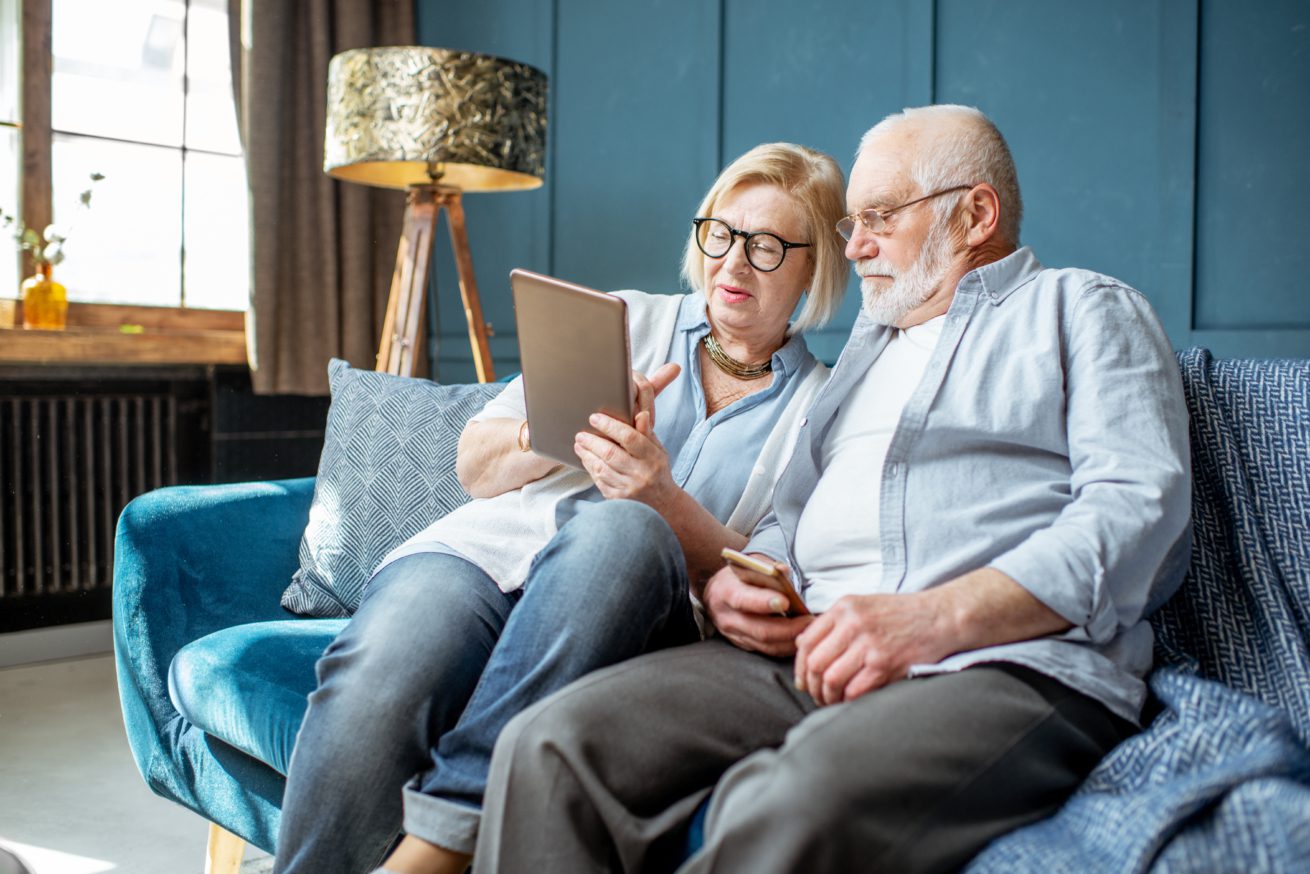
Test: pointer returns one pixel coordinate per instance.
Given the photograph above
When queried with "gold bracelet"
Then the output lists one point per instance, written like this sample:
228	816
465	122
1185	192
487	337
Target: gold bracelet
525	444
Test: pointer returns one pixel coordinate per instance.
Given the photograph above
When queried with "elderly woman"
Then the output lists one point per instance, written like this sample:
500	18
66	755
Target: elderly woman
526	588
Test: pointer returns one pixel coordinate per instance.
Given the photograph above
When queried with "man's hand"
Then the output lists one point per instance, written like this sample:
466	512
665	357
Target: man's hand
867	641
864	642
752	616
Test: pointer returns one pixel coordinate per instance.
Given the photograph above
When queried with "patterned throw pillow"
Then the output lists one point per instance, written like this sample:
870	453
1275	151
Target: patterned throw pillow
386	473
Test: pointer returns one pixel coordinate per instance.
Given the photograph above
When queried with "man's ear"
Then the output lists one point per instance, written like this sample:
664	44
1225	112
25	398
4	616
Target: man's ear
982	214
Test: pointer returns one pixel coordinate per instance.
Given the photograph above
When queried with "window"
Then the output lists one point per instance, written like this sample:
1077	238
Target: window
9	142
140	91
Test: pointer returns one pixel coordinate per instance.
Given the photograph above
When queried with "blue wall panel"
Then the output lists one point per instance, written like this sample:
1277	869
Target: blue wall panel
505	229
635	139
1076	91
1253	148
807	74
1140	129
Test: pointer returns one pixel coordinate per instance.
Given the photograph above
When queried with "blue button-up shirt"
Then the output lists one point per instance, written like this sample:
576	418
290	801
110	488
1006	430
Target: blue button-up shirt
1046	439
711	457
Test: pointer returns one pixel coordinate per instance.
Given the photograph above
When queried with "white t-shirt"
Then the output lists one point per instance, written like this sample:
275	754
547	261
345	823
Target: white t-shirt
838	546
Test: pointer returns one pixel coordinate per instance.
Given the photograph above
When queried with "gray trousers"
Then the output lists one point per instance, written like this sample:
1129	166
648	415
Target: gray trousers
606	774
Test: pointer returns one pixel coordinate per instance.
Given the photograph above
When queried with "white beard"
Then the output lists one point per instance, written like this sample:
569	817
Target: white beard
910	289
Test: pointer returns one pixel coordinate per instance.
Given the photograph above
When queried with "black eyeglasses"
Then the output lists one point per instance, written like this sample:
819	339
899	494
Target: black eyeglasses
877	220
764	251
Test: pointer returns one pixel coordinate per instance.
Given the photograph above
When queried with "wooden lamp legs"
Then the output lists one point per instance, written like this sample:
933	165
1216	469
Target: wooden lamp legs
403	326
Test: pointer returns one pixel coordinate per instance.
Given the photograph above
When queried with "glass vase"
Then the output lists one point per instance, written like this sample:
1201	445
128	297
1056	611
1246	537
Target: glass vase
45	302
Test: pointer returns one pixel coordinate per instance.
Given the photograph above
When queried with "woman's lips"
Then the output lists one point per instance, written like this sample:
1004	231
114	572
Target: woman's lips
732	294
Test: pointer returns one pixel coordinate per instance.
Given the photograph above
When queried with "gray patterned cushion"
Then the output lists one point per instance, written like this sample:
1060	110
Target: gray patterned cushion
386	473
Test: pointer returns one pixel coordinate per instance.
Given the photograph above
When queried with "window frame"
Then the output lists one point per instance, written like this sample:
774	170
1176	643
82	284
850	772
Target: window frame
36	28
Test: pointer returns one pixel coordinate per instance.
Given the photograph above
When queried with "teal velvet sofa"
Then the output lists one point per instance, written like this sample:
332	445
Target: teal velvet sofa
209	564
194	561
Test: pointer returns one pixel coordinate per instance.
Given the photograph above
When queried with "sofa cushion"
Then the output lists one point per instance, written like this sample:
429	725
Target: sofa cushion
386	473
249	685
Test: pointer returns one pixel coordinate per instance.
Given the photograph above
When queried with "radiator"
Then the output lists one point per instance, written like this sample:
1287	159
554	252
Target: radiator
69	463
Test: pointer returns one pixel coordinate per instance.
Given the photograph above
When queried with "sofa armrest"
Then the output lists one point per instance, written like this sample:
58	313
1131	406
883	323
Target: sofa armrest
190	560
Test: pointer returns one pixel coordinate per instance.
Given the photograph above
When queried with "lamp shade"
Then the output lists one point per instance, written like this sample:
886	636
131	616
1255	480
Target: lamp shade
409	115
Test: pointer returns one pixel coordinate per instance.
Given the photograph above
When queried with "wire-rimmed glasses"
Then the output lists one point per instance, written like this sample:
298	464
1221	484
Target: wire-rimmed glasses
877	220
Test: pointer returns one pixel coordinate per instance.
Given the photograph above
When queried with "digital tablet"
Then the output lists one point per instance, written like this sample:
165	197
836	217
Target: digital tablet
573	350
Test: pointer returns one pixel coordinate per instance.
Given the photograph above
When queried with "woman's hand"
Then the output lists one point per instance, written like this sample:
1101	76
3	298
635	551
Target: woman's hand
644	391
628	461
490	461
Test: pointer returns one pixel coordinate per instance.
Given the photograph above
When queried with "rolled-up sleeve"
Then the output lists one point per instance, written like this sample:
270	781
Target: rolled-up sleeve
768	539
509	404
1130	482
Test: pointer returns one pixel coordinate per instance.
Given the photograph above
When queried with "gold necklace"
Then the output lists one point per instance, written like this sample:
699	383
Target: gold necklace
732	366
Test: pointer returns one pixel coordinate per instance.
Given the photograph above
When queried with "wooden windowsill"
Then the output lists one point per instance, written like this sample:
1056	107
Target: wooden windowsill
155	335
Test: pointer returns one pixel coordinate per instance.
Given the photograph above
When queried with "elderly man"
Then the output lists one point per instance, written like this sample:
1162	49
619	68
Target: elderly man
988	497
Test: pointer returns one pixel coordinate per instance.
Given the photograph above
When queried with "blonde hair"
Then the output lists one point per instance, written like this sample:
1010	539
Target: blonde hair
815	182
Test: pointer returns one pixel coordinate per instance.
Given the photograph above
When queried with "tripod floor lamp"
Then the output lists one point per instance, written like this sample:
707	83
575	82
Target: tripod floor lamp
436	123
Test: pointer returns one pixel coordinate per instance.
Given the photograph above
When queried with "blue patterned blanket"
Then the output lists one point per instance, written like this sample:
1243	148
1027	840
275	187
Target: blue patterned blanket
1220	779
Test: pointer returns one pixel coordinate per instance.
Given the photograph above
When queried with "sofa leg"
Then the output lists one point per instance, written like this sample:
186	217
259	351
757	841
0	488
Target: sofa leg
225	851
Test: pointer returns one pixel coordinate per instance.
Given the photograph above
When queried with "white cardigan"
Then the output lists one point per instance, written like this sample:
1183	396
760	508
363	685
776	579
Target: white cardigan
503	534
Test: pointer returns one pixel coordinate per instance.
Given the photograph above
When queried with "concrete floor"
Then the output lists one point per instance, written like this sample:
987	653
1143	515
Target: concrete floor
71	799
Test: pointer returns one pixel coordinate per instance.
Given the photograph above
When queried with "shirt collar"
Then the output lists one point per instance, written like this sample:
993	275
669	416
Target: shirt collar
693	319
692	315
998	280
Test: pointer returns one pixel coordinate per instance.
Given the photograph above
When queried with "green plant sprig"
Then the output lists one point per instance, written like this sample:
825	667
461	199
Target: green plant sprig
46	247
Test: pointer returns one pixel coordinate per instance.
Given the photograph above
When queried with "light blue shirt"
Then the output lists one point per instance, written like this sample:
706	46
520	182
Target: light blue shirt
1047	439
711	457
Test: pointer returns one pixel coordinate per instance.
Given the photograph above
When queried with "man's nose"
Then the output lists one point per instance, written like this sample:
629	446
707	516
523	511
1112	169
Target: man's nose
862	244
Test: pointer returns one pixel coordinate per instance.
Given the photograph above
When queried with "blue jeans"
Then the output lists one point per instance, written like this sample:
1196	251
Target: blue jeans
435	662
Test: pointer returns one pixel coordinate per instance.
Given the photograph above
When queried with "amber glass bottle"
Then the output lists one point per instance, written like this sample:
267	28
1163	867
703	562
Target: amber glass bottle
45	302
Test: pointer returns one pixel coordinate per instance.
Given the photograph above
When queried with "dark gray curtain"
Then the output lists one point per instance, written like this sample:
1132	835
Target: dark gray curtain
323	251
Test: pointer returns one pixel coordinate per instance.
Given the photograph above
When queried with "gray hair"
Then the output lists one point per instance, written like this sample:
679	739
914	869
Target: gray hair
815	183
967	152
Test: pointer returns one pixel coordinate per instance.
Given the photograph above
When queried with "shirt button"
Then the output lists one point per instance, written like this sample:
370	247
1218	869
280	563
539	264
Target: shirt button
893	469
805	421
